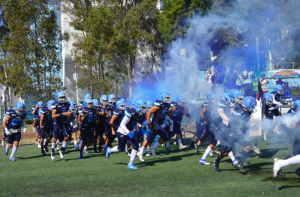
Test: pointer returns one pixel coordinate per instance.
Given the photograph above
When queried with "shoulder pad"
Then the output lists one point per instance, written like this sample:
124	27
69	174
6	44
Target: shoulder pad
157	103
127	113
221	105
236	113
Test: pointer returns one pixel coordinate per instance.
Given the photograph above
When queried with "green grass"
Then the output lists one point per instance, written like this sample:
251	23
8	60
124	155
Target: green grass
169	174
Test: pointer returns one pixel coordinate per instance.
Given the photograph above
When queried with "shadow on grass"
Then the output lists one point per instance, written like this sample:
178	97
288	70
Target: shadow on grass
269	153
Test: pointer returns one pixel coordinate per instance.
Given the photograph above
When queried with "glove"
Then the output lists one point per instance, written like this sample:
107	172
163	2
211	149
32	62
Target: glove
71	124
24	130
7	131
34	130
131	135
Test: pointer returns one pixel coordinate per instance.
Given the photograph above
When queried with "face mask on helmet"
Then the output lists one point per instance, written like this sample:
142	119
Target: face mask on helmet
231	103
280	92
144	109
114	100
181	103
110	102
167	99
239	100
122	107
269	102
19	112
104	102
90	105
62	99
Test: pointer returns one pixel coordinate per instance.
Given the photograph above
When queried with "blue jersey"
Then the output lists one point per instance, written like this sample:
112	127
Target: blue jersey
134	116
160	115
60	108
120	114
107	114
178	115
48	120
240	120
15	121
91	120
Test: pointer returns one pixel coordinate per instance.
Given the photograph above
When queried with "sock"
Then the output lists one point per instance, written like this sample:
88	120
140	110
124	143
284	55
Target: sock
38	140
206	153
114	149
105	146
75	142
85	148
57	142
179	142
230	154
244	155
167	143
13	152
140	145
132	156
44	142
7	148
156	144
142	150
64	145
147	149
68	142
53	145
237	147
294	160
218	143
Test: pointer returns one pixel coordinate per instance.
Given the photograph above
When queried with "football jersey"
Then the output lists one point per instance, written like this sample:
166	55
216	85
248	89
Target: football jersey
178	115
120	114
47	122
240	121
160	115
134	116
60	108
90	122
15	121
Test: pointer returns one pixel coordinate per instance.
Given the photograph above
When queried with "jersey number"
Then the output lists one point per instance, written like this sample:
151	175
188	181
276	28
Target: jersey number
91	118
17	122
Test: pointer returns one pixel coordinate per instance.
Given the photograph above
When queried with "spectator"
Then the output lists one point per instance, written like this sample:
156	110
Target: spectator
279	82
231	80
248	83
208	76
264	83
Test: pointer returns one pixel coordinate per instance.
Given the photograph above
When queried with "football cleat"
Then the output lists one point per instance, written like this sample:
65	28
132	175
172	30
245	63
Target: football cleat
61	154
256	150
76	146
169	149
280	173
203	162
81	155
140	155
182	147
240	166
43	152
216	165
12	159
107	154
65	151
46	149
85	151
235	162
52	155
153	151
132	167
276	167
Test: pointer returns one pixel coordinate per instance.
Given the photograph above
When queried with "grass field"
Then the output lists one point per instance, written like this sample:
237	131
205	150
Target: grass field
169	174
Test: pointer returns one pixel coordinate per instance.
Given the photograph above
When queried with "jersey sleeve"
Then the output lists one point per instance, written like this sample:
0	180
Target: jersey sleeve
54	105
221	105
116	112
157	103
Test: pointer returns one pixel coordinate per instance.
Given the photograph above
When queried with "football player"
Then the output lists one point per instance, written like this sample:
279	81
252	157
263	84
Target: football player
13	121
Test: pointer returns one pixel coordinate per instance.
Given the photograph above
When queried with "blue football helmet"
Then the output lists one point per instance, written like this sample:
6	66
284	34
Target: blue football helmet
110	102
49	104
81	103
87	96
278	89
88	103
211	97
72	108
112	97
296	103
268	98
103	99
95	102
19	107
238	96
180	101
141	106
131	103
61	97
40	104
165	97
228	100
71	102
149	104
249	104
120	104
